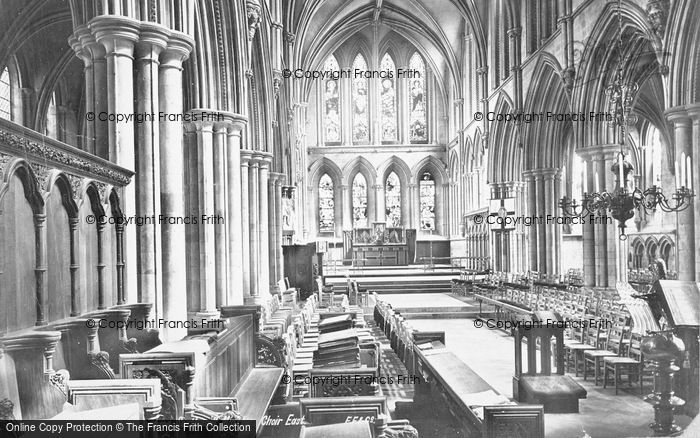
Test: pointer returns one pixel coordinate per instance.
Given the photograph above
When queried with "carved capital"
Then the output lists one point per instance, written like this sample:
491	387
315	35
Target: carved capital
42	174
289	38
252	9
657	15
276	82
6	409
568	76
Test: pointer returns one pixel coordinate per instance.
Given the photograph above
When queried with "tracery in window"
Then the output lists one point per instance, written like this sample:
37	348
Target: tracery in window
417	100
426	189
5	93
331	114
326	213
388	100
392	194
359	201
360	113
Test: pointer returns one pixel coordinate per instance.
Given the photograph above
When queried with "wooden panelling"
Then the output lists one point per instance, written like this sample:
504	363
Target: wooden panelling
58	257
88	259
17	275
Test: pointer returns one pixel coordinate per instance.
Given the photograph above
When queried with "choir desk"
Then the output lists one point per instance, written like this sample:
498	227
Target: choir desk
467	396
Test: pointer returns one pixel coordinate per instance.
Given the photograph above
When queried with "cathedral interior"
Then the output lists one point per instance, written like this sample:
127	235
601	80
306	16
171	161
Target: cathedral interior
352	218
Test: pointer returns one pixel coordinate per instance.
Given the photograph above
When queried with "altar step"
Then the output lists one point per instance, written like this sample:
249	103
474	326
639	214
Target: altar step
399	285
417	314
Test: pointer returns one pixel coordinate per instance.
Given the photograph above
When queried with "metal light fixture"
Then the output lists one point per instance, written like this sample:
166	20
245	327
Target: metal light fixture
626	198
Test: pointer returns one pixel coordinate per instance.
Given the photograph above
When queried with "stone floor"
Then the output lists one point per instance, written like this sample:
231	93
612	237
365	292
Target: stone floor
490	353
417	302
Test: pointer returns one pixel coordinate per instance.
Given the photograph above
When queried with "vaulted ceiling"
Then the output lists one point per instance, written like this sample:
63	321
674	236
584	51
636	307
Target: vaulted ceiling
436	27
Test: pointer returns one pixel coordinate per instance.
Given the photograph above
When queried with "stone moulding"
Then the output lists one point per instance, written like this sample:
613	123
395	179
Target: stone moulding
36	148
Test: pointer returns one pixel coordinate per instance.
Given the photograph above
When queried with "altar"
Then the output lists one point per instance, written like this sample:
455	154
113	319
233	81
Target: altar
380	245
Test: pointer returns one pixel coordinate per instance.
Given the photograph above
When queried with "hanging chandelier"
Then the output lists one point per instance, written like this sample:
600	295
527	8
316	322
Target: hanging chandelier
626	197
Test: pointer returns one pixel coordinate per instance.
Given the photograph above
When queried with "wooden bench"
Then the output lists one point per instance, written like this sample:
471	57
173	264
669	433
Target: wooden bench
86	395
464	391
255	392
339	416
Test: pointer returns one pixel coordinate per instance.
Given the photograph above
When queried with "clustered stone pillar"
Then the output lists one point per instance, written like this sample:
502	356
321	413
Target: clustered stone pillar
245	223
515	189
529	177
542	205
147	176
694	112
172	197
685	220
235	219
118	36
113	47
604	255
587	229
275	229
255	169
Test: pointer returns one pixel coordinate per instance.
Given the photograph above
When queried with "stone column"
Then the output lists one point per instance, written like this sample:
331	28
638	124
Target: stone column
346	192
380	208
220	213
531	211
557	228
84	54
147	178
694	111
41	285
614	254
245	223
550	228
254	226
73	224
588	238
279	227
600	229
204	157
413	213
96	100
263	227
272	228
685	220
542	265
117	36
172	198
233	218
101	286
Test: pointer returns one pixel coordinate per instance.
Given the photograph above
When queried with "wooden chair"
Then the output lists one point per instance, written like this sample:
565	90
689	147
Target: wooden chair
612	348
631	365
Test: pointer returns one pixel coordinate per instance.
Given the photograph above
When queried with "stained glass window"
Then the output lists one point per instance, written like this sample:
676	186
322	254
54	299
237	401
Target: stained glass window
326	213
360	115
5	90
359	201
331	115
417	100
427	202
388	102
392	195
